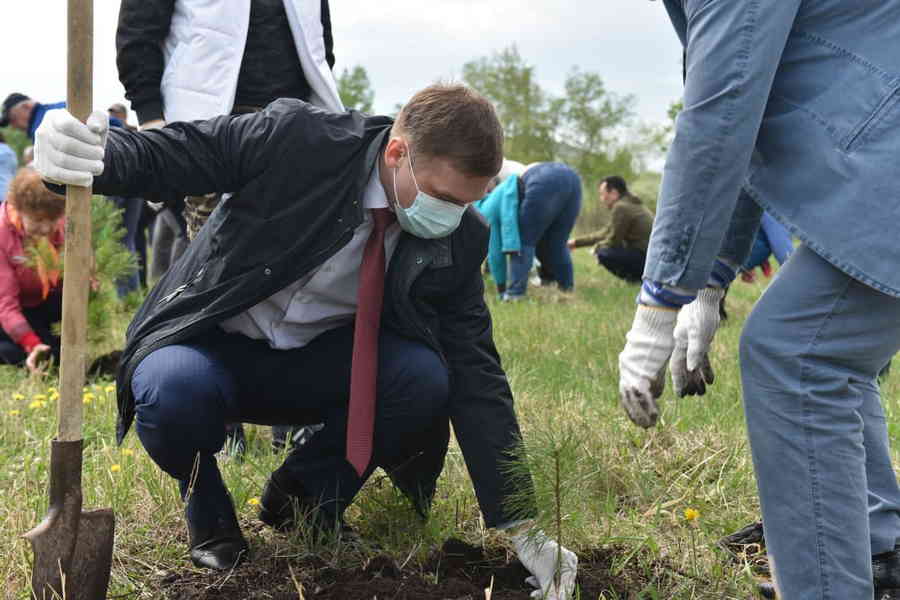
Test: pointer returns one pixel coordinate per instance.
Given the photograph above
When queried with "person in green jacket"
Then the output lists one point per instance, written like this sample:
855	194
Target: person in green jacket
620	247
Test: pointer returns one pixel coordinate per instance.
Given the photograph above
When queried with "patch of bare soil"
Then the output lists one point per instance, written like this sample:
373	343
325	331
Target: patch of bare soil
458	571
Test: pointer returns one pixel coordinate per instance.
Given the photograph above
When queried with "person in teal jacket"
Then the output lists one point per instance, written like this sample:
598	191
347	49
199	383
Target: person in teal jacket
501	210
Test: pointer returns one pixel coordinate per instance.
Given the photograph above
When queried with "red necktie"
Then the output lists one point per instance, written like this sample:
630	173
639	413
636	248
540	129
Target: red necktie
364	368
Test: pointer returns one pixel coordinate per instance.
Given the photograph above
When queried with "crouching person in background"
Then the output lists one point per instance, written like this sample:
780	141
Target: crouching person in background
31	236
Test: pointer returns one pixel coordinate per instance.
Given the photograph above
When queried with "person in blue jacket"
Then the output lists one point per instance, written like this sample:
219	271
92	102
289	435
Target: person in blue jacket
500	209
792	106
22	113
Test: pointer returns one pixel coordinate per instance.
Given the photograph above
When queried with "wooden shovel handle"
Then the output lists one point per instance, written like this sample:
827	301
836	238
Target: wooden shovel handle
77	264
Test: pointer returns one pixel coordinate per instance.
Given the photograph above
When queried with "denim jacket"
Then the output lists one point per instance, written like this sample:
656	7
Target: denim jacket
792	106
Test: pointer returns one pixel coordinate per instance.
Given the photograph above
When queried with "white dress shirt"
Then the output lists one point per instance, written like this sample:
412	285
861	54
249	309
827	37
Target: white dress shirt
325	298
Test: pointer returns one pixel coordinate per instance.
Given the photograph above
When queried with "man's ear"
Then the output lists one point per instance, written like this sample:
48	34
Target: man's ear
394	152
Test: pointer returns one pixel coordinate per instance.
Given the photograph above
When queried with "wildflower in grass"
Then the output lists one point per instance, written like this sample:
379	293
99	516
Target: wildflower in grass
85	389
52	391
115	468
127	452
18	396
253	501
14	413
88	398
54	397
110	389
39	398
36	404
691	515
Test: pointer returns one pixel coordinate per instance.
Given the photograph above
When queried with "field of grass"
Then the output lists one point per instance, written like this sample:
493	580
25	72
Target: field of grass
622	489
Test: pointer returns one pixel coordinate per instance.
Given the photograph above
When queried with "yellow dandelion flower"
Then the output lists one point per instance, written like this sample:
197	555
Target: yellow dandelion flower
53	391
85	389
54	397
115	468
14	413
39	398
110	389
691	514
88	398
253	501
18	397
35	404
127	452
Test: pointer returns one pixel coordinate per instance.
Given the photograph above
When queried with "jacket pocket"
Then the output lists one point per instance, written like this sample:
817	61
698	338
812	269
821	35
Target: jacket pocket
872	126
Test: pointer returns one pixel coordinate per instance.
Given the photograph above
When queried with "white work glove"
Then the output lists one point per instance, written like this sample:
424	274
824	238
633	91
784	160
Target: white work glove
70	152
540	555
694	330
642	364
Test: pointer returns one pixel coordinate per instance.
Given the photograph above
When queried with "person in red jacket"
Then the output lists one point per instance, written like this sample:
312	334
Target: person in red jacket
30	284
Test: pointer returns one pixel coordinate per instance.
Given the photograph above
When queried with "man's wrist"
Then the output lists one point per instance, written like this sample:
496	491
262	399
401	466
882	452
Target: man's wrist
30	341
149	111
657	295
516	528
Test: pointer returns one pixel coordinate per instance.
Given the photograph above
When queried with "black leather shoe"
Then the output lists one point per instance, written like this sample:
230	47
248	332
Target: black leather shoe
216	539
886	574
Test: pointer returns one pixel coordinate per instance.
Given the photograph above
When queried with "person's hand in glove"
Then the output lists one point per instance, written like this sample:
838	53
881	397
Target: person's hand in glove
694	331
642	363
541	556
69	152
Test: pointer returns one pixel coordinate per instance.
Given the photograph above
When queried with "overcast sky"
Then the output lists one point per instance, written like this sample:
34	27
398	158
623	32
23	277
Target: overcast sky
404	45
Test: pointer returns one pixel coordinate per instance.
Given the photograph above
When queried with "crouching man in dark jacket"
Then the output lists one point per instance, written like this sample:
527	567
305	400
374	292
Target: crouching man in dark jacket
338	283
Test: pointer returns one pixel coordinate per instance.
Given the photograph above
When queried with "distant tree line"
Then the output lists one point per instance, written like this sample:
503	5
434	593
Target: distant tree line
588	127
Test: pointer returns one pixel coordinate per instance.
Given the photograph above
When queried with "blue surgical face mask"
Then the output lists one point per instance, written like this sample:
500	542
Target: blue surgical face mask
427	217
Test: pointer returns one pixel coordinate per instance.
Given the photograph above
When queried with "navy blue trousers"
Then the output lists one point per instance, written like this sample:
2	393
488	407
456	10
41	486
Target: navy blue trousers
624	263
185	394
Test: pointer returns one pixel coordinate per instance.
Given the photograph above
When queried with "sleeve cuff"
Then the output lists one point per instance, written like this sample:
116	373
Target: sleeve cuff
151	111
29	341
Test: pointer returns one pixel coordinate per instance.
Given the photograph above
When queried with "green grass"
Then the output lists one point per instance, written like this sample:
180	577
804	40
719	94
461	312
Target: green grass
622	485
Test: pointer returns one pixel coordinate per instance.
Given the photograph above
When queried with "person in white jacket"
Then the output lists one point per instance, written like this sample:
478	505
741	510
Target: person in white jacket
189	60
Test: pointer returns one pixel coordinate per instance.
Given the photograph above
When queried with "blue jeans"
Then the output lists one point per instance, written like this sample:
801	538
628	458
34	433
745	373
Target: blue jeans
185	394
810	355
547	213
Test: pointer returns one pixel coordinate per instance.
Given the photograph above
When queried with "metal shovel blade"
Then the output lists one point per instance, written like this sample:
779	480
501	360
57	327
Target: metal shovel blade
72	548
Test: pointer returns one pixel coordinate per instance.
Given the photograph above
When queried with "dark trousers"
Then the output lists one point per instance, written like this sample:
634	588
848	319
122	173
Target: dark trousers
134	239
41	318
624	263
185	394
169	240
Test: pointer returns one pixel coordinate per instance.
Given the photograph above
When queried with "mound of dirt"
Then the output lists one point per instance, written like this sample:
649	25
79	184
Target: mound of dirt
458	571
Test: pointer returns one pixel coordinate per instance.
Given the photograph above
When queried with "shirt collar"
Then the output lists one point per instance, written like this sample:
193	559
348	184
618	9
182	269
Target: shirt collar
374	196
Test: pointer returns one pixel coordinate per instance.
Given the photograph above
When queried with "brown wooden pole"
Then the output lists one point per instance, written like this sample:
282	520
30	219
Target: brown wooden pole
77	263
